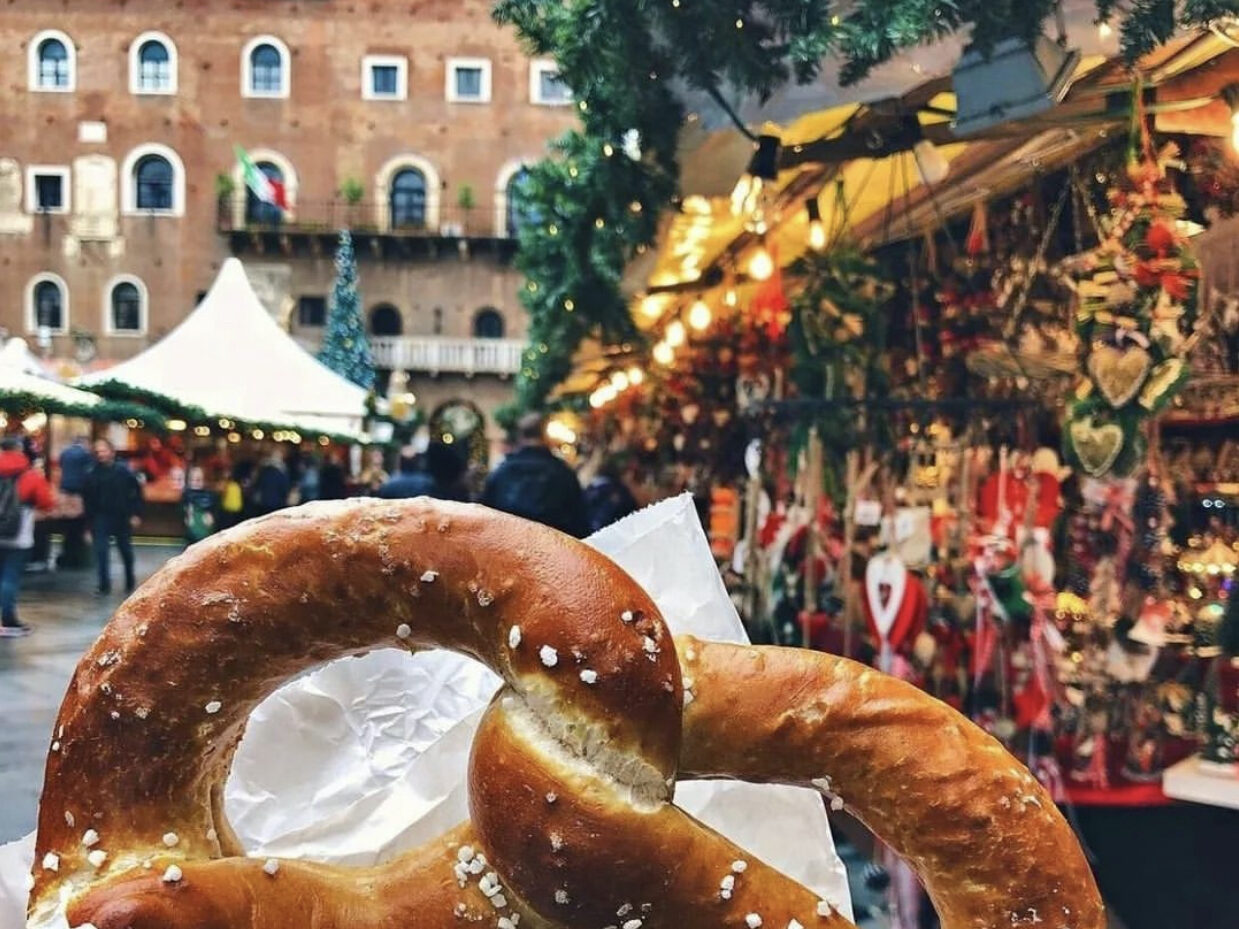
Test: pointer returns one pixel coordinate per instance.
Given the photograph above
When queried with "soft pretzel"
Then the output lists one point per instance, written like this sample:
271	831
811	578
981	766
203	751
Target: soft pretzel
572	769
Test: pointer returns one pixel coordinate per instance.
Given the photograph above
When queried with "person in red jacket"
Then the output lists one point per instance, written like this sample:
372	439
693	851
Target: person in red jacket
23	490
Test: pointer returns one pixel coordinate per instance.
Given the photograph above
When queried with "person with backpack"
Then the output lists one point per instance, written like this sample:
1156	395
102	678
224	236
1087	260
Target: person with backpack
23	491
113	499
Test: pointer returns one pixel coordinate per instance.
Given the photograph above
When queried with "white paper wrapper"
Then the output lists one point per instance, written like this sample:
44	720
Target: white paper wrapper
366	758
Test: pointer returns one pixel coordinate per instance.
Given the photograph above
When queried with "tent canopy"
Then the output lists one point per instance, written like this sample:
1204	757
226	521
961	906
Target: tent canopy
231	359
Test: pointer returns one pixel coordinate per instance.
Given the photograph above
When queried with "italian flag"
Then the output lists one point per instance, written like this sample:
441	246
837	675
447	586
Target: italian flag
263	187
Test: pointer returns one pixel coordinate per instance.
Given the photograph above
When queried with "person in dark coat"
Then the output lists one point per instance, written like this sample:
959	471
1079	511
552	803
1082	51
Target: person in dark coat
608	499
533	483
331	479
113	502
271	486
75	462
438	473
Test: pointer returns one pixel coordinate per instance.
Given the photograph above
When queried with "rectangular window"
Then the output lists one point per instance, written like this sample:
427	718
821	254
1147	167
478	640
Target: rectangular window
47	189
546	88
312	311
384	77
468	80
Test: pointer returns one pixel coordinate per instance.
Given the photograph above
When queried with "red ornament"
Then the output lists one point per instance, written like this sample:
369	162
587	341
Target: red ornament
1160	238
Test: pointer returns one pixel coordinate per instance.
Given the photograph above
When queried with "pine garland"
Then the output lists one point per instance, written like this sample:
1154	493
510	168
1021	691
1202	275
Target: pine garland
346	348
593	208
23	404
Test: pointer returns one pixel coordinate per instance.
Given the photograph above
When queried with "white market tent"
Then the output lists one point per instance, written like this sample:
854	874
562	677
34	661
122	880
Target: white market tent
231	359
22	377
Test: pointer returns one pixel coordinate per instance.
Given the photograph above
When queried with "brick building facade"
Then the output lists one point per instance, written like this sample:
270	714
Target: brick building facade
120	192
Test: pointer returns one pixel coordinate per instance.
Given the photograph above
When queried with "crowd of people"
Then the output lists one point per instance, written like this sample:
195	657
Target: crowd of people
531	481
100	498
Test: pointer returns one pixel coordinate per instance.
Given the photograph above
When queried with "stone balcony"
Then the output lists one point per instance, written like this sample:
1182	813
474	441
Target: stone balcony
443	355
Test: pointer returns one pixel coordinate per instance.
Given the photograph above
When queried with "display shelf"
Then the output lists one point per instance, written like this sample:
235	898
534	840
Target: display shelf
1185	781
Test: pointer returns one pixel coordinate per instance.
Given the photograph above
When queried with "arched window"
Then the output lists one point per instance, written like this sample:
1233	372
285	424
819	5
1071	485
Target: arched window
518	214
52	60
264	68
407	199
127	307
385	320
154	182
488	324
153	64
48	304
259	212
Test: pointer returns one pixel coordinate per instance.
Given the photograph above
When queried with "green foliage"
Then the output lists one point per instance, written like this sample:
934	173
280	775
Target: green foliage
224	185
22	404
352	190
622	59
346	349
465	198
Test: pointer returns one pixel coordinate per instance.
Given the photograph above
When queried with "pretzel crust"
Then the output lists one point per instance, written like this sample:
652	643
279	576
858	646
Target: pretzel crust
146	733
569	779
984	836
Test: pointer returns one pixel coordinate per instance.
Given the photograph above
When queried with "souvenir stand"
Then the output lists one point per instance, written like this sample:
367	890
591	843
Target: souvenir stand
969	407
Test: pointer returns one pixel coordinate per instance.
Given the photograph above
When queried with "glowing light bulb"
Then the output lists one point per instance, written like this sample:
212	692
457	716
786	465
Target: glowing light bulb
699	316
619	380
761	265
596	400
664	354
676	334
651	308
933	167
817	235
730	297
1104	30
635	375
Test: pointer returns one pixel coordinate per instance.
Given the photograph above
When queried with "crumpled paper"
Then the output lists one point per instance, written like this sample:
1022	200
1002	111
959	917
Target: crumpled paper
365	758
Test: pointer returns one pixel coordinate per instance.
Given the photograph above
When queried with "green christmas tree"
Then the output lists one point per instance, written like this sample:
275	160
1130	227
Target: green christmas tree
346	350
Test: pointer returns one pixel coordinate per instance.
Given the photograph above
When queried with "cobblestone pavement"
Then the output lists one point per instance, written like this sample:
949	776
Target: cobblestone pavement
35	670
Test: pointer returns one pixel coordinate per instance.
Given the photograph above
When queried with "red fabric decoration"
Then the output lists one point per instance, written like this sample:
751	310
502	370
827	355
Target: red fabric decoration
1016	500
769	304
911	618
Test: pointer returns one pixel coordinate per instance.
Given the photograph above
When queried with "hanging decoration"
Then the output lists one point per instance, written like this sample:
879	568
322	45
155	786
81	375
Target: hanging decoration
1137	309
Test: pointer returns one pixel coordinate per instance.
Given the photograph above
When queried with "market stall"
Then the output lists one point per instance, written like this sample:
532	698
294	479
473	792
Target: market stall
956	389
235	389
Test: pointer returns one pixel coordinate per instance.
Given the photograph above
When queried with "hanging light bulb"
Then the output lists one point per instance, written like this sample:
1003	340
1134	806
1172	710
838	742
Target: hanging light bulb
664	354
1230	94
730	297
753	195
761	265
699	316
930	163
651	307
675	334
635	376
619	380
817	232
596	400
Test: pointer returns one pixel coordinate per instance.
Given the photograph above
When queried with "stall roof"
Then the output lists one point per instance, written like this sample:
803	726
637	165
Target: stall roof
877	199
231	359
703	247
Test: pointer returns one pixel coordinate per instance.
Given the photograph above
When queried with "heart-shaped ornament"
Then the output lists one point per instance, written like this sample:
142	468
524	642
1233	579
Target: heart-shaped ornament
1119	372
1097	447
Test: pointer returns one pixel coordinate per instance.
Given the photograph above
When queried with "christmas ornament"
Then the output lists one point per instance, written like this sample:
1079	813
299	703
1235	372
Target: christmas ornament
1136	310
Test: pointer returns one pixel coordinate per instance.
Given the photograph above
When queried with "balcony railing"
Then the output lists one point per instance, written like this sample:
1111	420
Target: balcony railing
317	217
441	355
